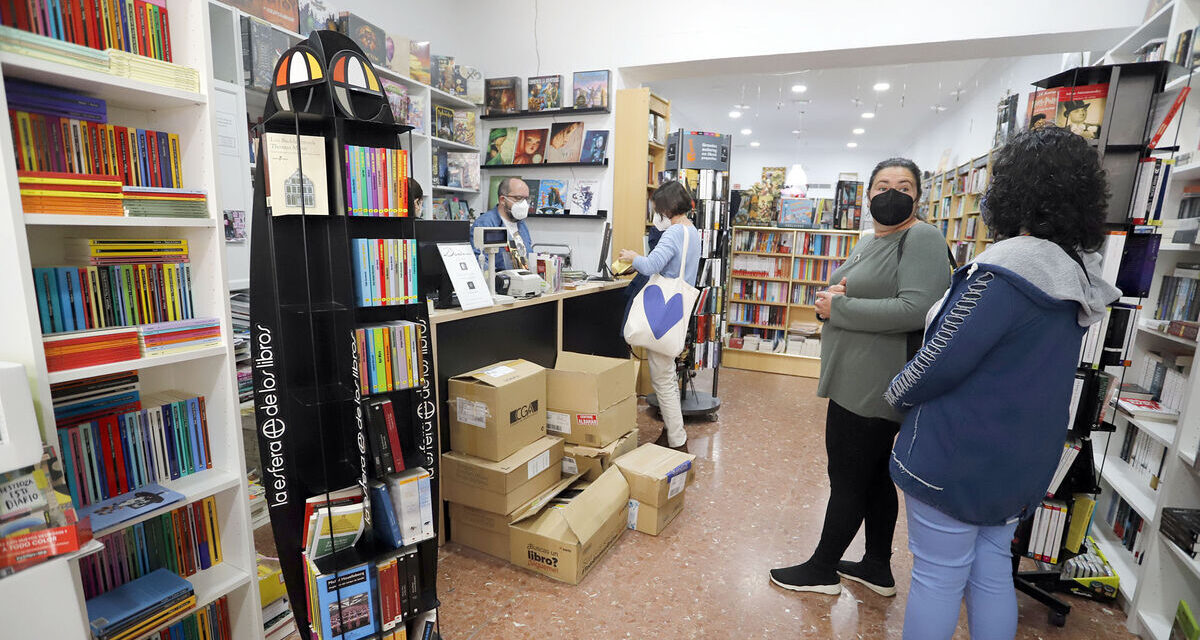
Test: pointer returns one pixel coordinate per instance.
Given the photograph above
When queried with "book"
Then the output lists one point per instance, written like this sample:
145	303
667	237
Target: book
1042	108
106	295
1148	408
584	196
462	169
595	144
502	146
412	501
590	89
397	97
419	61
566	142
290	190
468	83
180	336
501	95
416	111
316	15
531	146
464	126
1006	120
396	48
543	93
385	271
334	528
1184	627
342	603
442	73
383	516
443	122
346	496
550	197
1081	109
1136	272
368	36
113	511
389	357
127	606
75	350
376	182
262	45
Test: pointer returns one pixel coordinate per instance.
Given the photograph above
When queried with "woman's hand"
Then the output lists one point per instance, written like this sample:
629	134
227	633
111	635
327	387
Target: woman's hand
627	255
824	302
839	289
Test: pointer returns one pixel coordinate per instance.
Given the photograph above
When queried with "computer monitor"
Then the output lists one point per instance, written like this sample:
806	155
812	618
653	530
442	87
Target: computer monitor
432	277
603	271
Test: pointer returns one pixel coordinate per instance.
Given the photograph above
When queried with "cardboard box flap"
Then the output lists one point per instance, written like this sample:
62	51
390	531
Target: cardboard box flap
571	361
500	373
656	462
534	506
589	511
521	458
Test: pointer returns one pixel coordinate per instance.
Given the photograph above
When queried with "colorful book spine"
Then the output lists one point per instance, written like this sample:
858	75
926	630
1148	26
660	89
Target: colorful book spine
385	271
80	298
389	357
376	182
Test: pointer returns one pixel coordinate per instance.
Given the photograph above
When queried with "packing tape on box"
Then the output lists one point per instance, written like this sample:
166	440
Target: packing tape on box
633	514
472	412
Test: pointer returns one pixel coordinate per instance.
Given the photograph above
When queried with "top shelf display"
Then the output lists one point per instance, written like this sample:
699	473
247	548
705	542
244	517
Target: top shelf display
525	113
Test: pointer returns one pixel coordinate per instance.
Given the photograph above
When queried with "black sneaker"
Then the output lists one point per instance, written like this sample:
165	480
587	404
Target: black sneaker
877	576
807	577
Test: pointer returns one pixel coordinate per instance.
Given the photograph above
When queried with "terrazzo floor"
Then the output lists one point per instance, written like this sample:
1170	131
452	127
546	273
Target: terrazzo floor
758	502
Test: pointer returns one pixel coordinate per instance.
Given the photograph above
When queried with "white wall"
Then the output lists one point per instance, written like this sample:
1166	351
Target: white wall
967	128
820	166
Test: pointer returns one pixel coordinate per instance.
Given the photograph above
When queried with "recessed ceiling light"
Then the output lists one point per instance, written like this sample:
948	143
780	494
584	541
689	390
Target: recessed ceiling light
754	143
799	88
743	107
868	114
882	86
859	131
938	107
746	132
795	132
851	144
735	114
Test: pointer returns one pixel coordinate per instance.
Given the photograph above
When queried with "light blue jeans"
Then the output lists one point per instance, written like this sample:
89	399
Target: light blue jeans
951	558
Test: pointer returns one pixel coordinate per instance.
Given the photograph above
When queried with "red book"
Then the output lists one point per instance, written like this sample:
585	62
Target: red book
7	14
139	9
119	448
389	419
21	16
87	14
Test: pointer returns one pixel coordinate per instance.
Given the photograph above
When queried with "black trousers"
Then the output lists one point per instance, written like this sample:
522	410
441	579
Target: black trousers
860	489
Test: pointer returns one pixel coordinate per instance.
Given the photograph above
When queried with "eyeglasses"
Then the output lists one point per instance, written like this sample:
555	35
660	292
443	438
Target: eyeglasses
518	198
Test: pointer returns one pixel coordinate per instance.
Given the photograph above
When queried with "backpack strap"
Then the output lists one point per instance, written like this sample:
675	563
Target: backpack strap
900	251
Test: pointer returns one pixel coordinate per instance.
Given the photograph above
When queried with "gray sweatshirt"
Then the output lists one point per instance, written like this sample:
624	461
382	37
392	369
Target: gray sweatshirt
864	344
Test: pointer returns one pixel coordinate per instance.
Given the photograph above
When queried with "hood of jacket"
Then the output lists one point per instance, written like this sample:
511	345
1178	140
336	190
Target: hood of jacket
1047	268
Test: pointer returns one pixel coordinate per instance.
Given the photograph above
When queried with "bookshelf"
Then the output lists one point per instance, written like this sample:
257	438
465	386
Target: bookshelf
950	202
638	159
48	599
785	248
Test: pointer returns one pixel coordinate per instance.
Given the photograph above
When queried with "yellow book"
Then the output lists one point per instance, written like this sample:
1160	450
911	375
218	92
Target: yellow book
92	195
135	163
202	624
213	529
1081	516
409	334
24	180
142	290
169	279
156	620
176	167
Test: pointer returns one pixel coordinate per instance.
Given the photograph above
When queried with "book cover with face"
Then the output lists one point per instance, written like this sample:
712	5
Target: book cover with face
502	146
566	142
531	146
595	143
1081	109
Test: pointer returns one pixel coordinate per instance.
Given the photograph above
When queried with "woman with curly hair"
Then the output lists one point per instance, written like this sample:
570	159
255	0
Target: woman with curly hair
988	393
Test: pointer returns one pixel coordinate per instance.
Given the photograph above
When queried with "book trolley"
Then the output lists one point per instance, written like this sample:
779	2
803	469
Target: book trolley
1123	141
309	407
700	161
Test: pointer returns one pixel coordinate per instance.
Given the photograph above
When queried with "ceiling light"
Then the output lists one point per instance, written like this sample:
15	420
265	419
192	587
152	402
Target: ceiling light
859	131
742	106
799	88
795	132
735	114
746	132
868	115
938	107
882	86
754	143
851	144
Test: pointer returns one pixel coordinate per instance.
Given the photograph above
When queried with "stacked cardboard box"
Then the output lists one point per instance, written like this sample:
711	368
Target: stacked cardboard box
593	406
657	477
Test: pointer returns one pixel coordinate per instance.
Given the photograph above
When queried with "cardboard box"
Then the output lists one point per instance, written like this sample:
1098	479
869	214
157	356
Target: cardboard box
656	474
496	410
565	542
586	383
480	530
650	519
593	429
592	461
501	487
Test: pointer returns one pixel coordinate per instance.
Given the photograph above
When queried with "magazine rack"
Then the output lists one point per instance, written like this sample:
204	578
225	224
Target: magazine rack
309	412
1123	140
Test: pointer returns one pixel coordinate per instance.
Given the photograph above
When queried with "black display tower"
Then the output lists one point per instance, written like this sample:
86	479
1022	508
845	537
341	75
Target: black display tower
308	408
1122	142
700	160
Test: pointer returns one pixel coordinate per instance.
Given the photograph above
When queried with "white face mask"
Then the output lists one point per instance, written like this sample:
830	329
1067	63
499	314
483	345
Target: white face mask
661	222
519	210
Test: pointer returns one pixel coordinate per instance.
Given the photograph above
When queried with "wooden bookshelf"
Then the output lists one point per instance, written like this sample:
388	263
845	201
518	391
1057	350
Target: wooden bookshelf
632	150
950	202
785	363
47	601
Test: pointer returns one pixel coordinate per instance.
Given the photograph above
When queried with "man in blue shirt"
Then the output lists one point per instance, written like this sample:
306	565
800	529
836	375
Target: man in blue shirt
509	213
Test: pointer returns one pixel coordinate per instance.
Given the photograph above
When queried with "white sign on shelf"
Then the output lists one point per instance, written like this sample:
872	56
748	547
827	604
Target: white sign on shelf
463	269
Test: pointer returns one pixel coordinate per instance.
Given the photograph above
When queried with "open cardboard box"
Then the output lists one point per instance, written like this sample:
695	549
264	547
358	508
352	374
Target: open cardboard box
591	399
592	461
496	410
501	487
656	474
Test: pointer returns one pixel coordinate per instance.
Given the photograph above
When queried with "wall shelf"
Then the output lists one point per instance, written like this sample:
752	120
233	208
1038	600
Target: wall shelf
544	165
565	111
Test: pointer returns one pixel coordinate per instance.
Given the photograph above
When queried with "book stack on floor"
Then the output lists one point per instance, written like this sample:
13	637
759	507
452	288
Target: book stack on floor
159	72
1182	527
278	621
37	518
164	202
385	271
139	606
184	541
70	193
24	43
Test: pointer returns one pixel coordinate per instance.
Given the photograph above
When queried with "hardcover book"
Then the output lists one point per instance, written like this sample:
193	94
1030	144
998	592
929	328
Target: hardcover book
566	142
419	62
595	144
291	191
591	89
584	197
544	92
551	197
443	122
464	126
531	146
369	37
501	94
443	72
1081	109
118	509
502	146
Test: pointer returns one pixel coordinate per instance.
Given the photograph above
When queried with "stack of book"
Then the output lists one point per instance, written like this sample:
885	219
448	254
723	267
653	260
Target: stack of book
1046	536
137	607
70	193
37	519
142	27
164	202
239	307
30	44
75	350
213	620
334	522
121	452
259	513
1182	527
181	336
389	357
183	541
385	271
86	399
159	72
278	621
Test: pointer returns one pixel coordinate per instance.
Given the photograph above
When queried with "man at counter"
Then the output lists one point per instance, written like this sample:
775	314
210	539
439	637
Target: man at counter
509	212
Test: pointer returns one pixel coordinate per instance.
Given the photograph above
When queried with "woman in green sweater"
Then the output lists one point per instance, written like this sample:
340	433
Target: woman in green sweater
883	291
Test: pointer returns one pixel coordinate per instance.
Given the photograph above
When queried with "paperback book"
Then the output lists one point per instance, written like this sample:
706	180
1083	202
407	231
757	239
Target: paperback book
591	89
531	146
502	146
291	190
566	142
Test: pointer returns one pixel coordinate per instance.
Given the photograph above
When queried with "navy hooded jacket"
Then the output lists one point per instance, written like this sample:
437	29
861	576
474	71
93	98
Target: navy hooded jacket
990	389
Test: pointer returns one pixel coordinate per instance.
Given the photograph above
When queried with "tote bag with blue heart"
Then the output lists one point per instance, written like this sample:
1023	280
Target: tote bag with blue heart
658	318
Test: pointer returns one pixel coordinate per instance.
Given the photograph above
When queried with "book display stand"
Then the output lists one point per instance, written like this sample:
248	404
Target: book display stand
701	162
310	403
1122	142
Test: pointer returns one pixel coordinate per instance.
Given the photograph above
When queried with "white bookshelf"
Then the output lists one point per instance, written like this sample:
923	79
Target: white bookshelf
47	600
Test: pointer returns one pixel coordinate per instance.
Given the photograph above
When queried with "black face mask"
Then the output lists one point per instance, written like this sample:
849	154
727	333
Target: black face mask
891	207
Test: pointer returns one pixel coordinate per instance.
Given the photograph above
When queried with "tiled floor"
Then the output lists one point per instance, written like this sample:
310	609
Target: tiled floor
757	503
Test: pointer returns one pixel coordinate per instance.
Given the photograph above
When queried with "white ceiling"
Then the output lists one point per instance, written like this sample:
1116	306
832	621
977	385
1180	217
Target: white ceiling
830	113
